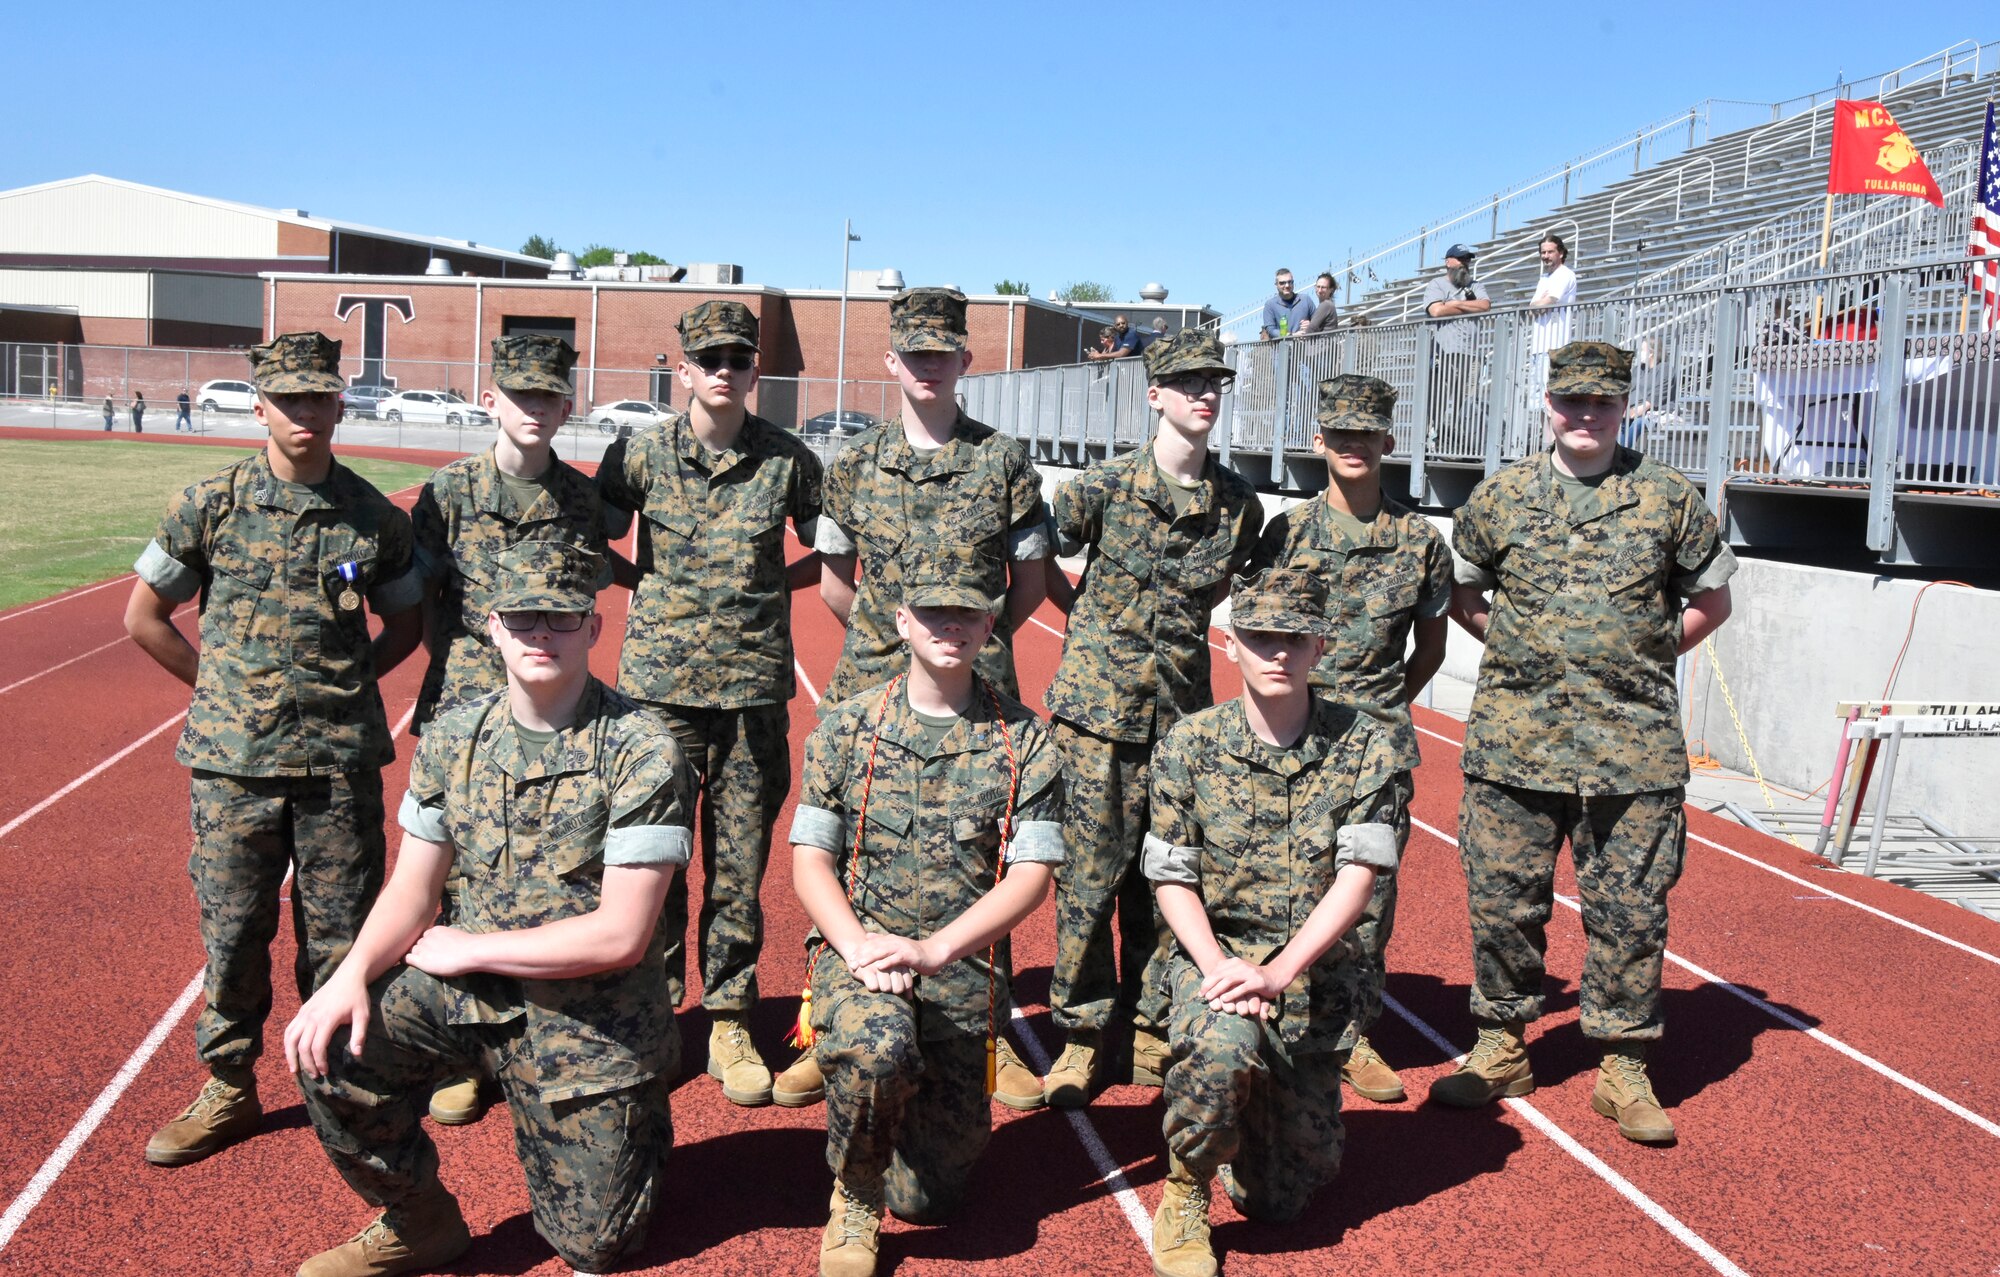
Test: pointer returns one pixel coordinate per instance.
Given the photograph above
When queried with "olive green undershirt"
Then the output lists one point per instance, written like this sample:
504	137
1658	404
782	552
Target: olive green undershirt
534	742
524	490
935	726
1181	494
1581	493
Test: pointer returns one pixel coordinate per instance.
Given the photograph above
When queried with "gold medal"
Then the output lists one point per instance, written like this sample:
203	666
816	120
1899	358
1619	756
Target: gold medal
349	600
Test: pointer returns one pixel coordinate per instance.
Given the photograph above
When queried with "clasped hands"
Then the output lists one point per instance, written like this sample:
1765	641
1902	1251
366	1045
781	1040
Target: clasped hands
891	964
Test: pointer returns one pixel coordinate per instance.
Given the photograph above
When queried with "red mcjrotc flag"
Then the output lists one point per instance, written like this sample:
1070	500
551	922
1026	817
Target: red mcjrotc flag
1873	156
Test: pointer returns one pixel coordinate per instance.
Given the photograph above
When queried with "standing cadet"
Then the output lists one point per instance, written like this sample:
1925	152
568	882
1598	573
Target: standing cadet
927	826
932	476
1605	565
562	807
708	647
471	510
1273	815
1387	572
286	733
1167	527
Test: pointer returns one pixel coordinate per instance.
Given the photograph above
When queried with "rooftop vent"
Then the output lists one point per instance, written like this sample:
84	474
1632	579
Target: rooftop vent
438	266
890	280
565	267
1154	292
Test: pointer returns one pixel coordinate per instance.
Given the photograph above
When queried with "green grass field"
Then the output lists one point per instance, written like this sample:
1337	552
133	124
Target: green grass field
72	512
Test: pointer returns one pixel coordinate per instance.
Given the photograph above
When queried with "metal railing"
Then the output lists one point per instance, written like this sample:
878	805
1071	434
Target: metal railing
1784	382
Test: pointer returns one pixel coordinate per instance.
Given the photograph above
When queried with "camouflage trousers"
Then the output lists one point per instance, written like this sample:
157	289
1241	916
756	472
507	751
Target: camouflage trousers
247	831
592	1162
1104	823
1627	850
1237	1097
1377	923
744	760
905	1093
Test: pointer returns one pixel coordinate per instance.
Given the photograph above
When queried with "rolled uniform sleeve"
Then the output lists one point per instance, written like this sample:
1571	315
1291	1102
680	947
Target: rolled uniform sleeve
175	562
1038	833
399	585
1474	557
1027	536
1439	572
422	813
652	796
1077	516
1703	561
1368	835
835	533
820	819
1172	849
423	820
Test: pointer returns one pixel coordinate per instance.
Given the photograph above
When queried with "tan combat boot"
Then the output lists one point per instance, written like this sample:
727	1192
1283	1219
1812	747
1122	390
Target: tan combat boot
425	1232
801	1085
733	1058
225	1113
853	1234
1370	1075
1180	1227
1014	1084
1068	1083
1497	1066
1150	1057
1625	1092
458	1101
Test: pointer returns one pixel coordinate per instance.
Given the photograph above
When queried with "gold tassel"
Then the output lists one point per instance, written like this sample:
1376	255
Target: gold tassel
992	1065
801	1035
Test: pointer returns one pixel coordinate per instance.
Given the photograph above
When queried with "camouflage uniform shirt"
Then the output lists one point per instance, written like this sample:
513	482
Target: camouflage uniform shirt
1576	689
531	840
883	496
1260	832
934	814
711	621
1376	589
464	518
1135	659
287	677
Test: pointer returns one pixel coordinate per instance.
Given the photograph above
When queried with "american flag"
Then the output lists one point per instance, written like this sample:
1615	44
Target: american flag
1985	273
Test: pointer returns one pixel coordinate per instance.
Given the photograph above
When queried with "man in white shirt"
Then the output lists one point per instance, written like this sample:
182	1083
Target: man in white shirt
1555	293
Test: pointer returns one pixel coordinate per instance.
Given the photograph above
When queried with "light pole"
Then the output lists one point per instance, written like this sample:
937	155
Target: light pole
847	236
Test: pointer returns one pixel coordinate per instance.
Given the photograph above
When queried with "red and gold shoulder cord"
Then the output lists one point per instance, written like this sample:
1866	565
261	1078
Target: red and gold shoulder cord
801	1035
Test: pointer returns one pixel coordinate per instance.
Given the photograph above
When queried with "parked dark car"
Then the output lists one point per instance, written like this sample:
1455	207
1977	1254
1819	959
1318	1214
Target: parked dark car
850	421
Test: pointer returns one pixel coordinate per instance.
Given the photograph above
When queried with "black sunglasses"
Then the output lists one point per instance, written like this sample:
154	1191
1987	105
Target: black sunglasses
712	361
560	622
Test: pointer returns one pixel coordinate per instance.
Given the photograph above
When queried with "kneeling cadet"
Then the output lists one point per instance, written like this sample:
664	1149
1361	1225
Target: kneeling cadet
928	825
561	807
1273	814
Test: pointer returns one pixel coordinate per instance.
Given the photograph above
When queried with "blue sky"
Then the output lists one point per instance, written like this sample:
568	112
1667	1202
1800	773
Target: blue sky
1197	145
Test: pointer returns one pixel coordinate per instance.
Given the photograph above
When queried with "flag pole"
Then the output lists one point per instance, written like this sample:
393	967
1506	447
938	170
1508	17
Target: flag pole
1825	243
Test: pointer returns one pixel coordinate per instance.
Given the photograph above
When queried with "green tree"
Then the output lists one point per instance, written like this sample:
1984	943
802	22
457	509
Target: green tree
1012	288
540	246
599	255
1085	290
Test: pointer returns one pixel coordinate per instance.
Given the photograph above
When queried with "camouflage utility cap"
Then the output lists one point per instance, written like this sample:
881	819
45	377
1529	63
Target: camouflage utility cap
1189	350
1354	402
947	576
533	361
1590	368
927	319
297	363
714	324
1282	600
547	576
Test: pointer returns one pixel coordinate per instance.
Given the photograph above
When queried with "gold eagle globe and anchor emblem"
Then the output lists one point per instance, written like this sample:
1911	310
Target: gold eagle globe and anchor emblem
1897	153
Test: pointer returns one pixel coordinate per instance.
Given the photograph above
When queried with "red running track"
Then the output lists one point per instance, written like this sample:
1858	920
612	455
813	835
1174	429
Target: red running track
1827	1060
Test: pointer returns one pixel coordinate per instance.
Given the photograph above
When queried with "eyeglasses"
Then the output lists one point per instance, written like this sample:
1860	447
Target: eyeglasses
560	622
1195	385
712	361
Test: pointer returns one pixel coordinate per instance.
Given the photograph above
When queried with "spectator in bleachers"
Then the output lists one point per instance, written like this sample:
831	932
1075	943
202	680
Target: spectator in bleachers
1324	315
1550	311
1454	295
1125	341
1287	312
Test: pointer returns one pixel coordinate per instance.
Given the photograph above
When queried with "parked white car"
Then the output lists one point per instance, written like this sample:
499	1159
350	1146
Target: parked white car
225	396
625	416
447	406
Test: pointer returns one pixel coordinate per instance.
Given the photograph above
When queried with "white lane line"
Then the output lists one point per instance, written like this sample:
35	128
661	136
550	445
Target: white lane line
53	1166
1623	1187
403	722
805	682
1787	1019
102	647
1819	887
1093	1144
86	778
64	598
